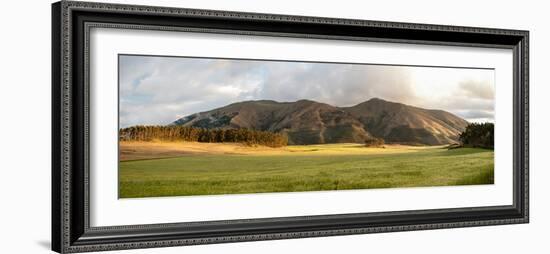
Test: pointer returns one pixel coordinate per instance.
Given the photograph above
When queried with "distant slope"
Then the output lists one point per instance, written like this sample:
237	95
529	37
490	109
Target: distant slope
305	122
310	122
400	123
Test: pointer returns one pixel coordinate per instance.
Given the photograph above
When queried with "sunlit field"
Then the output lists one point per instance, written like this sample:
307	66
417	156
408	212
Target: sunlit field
155	169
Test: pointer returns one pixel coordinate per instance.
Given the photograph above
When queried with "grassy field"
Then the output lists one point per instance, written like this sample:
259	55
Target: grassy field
149	169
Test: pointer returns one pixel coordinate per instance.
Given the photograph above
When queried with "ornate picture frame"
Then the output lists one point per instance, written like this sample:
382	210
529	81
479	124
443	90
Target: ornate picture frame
71	24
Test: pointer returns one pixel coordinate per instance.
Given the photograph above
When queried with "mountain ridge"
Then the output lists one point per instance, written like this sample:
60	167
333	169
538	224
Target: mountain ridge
311	122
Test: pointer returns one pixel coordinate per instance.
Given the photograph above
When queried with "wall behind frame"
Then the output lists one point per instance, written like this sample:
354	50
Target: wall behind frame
25	110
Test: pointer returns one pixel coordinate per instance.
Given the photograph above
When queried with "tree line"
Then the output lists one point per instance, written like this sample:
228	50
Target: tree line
479	135
193	134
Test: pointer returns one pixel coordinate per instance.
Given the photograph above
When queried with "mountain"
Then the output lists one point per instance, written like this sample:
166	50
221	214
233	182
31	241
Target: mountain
304	121
400	123
310	122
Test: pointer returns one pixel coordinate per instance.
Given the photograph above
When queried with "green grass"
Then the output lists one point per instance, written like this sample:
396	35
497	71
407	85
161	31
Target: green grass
230	174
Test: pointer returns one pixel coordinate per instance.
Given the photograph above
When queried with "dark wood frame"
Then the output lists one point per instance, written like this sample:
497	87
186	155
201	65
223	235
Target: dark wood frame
71	22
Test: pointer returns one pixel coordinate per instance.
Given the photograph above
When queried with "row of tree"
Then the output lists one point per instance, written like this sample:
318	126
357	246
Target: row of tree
193	134
479	135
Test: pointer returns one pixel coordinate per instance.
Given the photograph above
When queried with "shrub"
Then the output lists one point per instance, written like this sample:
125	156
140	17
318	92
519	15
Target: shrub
374	142
478	135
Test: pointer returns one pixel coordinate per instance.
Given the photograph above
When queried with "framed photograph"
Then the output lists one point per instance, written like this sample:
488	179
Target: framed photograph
182	126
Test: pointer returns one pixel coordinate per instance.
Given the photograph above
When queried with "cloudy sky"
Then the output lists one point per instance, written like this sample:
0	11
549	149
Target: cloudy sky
159	90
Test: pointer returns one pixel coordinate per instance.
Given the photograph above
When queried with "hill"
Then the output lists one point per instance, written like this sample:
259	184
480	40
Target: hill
310	122
400	123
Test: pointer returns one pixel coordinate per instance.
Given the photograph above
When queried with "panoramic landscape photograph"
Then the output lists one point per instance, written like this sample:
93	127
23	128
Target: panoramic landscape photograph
209	126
